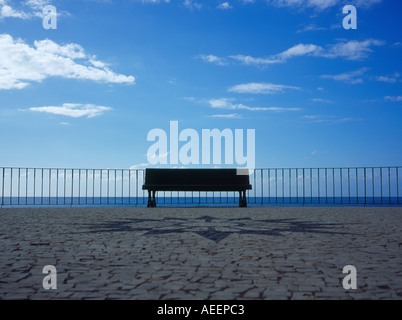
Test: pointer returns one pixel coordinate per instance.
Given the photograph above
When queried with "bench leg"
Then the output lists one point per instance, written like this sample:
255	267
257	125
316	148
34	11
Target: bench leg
151	199
242	199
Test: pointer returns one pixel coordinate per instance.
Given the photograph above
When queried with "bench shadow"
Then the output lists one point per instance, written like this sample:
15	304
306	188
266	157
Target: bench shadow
216	229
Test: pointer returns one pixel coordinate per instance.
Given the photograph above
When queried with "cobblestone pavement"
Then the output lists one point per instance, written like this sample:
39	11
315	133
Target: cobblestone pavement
201	253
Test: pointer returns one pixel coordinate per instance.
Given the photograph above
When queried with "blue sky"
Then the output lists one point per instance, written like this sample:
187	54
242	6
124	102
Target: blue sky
86	94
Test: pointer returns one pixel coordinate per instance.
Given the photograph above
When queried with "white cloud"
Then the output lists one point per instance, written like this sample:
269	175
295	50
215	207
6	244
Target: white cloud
226	116
191	5
310	27
352	77
225	6
225	103
73	110
320	4
320	100
261	88
212	59
388	79
8	12
139	166
155	1
21	64
351	50
297	50
393	99
35	9
328	119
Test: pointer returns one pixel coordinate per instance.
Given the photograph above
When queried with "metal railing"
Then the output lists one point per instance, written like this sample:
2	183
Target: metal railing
275	186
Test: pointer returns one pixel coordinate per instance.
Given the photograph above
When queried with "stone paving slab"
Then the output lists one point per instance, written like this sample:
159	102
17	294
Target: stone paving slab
201	253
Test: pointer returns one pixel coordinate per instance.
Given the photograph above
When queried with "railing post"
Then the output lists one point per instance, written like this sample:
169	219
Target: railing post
2	187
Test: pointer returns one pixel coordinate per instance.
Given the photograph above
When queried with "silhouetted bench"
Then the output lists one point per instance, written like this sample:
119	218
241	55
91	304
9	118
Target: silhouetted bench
196	180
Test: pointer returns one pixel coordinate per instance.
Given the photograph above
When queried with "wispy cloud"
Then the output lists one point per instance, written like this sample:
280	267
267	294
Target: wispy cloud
225	6
328	119
311	27
73	110
261	88
22	64
212	59
388	79
227	103
191	5
226	116
320	4
350	50
353	77
393	99
28	9
320	100
139	166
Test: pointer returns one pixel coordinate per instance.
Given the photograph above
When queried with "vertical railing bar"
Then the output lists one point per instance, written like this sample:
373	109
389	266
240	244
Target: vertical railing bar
129	186
397	184
100	186
57	187
136	187
143	180
34	187
19	185
365	186
269	186
86	186
297	185
304	187
290	184
26	186
357	188
318	182
276	185
255	187
79	186
341	185
122	186
115	186
11	186
41	195
333	185
381	183
93	186
107	195
283	186
389	184
326	186
72	186
372	178
349	183
262	187
2	186
50	185
311	184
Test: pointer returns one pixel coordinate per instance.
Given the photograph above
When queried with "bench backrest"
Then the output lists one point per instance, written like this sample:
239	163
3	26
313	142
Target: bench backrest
196	179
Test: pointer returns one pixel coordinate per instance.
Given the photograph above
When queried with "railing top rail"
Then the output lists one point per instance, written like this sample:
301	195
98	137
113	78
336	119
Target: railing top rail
256	169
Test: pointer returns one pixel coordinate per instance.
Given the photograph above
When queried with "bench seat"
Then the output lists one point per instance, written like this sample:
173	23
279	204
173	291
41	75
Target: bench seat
195	180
